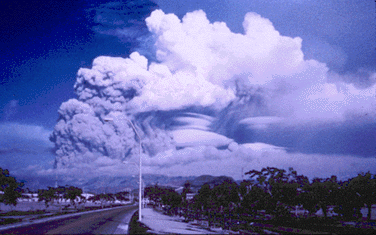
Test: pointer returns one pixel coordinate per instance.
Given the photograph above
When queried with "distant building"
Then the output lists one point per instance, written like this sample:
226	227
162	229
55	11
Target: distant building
127	190
179	190
87	195
190	196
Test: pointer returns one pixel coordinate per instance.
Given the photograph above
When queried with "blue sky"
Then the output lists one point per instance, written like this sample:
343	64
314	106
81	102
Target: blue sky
46	43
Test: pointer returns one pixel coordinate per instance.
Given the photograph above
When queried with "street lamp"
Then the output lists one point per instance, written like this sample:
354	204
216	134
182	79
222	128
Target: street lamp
143	183
140	183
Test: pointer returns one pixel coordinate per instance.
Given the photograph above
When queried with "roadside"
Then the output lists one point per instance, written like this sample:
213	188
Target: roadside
29	211
161	223
155	222
36	217
136	227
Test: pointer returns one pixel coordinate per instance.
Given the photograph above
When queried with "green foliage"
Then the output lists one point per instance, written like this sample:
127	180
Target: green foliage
166	196
347	201
48	196
122	196
256	199
171	199
271	193
275	190
226	194
70	193
154	193
10	187
204	197
203	202
218	203
364	186
102	198
321	193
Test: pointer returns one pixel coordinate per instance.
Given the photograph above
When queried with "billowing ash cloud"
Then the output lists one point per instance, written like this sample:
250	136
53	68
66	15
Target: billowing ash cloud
187	106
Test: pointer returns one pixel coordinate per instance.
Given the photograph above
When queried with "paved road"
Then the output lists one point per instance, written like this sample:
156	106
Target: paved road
113	221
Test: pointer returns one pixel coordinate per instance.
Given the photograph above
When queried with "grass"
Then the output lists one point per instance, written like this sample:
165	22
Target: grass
20	213
291	225
316	225
9	221
136	227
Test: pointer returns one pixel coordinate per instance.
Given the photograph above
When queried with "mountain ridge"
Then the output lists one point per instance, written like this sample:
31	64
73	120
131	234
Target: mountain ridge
113	184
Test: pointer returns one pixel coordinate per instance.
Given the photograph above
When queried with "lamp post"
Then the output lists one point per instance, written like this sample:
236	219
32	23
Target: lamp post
143	184
140	175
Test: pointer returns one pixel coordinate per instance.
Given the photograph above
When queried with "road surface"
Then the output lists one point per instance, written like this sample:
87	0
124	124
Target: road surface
114	221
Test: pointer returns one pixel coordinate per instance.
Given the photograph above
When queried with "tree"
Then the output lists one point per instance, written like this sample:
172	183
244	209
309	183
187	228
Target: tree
72	193
320	194
154	193
244	188
364	185
102	198
48	196
256	199
171	199
204	202
11	188
347	201
122	196
226	200
201	199
184	201
283	189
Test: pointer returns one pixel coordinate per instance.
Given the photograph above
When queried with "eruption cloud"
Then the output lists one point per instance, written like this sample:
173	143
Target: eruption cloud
258	78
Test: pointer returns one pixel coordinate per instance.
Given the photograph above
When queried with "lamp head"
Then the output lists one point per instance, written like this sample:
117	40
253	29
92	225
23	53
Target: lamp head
108	119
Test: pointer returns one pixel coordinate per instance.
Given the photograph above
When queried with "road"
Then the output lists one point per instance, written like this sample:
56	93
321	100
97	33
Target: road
114	221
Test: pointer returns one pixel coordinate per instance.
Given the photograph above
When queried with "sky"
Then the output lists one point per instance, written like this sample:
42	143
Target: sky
214	87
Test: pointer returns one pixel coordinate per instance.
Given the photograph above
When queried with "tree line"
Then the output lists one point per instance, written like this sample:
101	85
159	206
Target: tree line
12	190
271	193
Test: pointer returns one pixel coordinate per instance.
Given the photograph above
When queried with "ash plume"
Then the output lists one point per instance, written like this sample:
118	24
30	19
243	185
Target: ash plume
224	79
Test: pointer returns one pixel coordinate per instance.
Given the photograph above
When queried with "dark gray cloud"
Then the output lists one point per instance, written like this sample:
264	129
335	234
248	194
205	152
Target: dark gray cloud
335	138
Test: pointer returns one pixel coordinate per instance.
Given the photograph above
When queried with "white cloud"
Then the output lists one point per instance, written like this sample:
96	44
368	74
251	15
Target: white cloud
194	137
262	147
200	122
209	160
330	102
199	63
217	54
261	122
